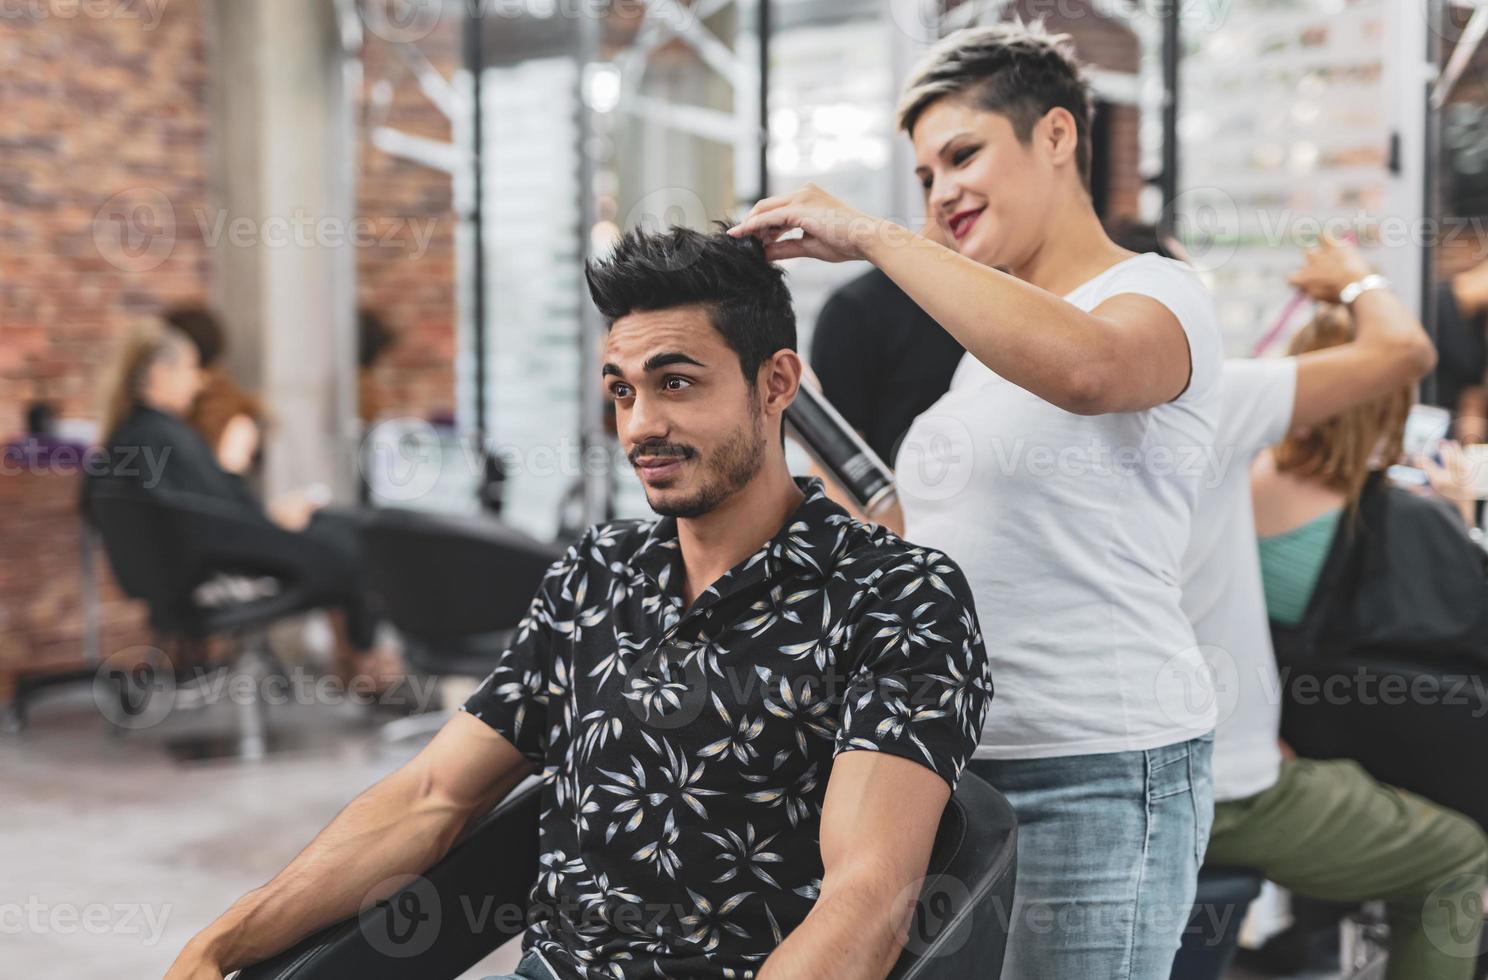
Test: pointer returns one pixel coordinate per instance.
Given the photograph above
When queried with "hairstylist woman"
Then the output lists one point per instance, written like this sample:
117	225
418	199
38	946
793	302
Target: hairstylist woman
1060	471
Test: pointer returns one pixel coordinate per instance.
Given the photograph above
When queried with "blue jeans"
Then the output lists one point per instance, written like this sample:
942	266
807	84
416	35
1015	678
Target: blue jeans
531	968
1109	848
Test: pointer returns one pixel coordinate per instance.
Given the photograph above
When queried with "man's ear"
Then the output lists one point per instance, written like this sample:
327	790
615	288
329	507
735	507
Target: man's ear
781	378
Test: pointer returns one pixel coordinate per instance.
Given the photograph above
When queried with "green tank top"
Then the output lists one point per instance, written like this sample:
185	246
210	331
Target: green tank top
1291	563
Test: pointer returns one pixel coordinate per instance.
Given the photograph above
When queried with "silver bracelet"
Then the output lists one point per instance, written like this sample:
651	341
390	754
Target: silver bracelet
1354	290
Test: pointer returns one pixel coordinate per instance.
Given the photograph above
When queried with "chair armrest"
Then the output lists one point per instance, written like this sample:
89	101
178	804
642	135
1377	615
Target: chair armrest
470	902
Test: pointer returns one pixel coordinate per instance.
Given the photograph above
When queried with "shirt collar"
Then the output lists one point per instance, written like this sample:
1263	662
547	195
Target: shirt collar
808	539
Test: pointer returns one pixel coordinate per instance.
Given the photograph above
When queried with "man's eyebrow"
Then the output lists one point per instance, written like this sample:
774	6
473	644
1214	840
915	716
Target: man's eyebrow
664	359
668	358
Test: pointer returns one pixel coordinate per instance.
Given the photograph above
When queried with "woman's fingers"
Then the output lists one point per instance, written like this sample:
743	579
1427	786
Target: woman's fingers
763	206
782	217
791	248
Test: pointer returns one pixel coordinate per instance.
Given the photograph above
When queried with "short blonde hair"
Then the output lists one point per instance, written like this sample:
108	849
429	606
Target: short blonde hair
1017	70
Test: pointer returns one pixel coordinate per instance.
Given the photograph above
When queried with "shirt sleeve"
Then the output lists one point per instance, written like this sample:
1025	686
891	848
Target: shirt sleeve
1178	287
843	360
1257	397
513	699
920	681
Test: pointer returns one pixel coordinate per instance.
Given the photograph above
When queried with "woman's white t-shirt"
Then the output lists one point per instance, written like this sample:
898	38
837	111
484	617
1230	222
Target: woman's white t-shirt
1071	530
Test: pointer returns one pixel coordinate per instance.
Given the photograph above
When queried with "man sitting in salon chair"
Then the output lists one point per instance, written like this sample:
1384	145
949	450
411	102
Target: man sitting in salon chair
748	715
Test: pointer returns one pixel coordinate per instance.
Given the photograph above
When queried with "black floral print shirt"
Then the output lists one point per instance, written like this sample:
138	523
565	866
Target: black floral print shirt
686	753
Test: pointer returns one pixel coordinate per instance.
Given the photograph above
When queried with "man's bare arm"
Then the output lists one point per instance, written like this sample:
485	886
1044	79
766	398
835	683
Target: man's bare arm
878	826
401	825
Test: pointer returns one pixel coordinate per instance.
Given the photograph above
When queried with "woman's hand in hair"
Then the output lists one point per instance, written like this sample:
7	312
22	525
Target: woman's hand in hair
1327	268
829	230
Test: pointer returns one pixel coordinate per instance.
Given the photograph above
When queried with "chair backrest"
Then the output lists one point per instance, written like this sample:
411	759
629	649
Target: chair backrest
462	908
441	923
961	921
147	546
440	577
162	545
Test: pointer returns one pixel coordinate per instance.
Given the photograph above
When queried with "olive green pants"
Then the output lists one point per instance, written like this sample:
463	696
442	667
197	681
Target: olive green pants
1328	830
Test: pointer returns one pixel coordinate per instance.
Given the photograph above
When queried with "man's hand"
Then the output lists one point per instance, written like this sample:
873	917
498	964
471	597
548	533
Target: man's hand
831	231
1327	268
400	826
194	964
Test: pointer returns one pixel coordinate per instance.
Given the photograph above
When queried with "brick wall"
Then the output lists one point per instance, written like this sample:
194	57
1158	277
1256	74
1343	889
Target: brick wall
106	142
411	286
1110	45
103	137
95	107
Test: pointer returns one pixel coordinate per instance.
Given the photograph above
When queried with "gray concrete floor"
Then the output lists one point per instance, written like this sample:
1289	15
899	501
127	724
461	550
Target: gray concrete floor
112	854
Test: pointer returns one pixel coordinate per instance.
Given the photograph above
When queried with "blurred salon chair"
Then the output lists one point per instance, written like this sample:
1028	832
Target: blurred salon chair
959	929
455	588
203	570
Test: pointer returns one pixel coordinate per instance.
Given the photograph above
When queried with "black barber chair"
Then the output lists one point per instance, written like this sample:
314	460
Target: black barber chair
434	929
455	588
162	548
1213	931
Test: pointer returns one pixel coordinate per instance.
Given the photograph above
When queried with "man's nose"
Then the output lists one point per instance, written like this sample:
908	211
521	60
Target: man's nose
646	421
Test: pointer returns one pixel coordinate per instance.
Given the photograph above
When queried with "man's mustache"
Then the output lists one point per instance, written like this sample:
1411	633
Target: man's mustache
661	449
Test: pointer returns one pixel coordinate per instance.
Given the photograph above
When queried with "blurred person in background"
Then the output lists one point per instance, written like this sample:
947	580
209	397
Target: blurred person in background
153	449
231	420
374	339
1462	340
1314	485
1324	829
1078	349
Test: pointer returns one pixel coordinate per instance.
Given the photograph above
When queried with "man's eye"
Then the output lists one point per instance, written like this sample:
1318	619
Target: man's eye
619	391
676	384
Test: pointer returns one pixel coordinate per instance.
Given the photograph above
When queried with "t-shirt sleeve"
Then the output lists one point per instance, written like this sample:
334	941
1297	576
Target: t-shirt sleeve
842	358
1257	397
513	699
920	682
1177	287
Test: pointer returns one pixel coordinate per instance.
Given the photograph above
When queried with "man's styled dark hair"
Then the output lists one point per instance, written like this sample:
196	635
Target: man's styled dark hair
1017	70
744	293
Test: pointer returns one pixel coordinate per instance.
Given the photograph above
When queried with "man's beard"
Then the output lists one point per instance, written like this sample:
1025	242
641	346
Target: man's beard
729	468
